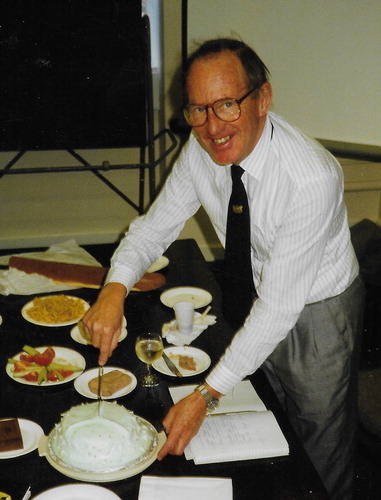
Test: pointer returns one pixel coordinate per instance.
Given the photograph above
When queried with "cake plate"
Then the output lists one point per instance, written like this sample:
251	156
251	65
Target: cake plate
99	477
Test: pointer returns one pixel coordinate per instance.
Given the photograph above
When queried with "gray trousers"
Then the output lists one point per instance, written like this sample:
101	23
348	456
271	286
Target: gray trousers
314	374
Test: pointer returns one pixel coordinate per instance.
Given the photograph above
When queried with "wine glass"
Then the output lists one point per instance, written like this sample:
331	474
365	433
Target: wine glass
149	348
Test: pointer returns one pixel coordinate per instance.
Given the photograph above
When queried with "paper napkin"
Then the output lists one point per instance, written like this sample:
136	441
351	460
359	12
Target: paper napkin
173	336
185	488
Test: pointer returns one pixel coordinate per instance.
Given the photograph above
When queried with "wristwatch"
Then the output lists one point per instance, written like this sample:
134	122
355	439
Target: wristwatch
211	402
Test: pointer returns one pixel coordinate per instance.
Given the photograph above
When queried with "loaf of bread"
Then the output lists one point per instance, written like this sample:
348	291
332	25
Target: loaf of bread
10	435
62	272
78	274
111	382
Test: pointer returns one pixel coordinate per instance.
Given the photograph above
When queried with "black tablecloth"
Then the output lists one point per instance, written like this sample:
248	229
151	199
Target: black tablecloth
291	477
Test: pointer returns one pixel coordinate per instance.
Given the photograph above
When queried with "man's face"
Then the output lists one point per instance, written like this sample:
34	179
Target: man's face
216	77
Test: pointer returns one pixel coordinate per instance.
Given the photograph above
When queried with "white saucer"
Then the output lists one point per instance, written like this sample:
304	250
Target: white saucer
81	384
200	357
77	492
198	296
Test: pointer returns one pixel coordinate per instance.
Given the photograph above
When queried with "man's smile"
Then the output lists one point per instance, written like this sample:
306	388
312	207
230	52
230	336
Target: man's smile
223	140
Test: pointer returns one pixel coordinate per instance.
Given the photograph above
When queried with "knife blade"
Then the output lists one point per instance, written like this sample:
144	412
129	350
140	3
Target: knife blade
100	375
172	366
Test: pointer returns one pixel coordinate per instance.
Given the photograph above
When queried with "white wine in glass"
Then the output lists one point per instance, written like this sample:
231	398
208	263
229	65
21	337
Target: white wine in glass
149	348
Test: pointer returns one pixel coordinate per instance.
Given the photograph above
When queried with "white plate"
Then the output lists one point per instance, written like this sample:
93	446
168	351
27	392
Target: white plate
160	263
76	334
77	492
63	355
198	296
24	312
81	384
201	358
31	434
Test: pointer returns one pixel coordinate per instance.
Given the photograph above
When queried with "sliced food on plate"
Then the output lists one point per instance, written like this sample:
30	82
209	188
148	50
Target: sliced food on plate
189	360
116	382
48	365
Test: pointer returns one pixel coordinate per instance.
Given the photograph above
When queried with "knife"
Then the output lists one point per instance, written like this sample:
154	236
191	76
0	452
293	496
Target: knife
172	366
100	375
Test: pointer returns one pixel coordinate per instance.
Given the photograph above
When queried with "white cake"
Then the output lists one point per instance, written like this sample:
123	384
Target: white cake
112	440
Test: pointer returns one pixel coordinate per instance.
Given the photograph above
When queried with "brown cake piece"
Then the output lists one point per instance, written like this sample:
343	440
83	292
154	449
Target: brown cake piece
111	382
10	435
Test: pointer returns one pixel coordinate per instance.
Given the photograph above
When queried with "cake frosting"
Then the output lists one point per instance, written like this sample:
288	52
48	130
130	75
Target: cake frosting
114	439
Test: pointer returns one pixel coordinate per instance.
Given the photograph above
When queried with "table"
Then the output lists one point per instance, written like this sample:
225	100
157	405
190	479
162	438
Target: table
284	478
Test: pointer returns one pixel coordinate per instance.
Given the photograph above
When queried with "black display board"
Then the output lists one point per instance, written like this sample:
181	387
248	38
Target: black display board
73	74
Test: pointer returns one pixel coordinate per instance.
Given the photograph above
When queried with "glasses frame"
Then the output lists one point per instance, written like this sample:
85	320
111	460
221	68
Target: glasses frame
211	106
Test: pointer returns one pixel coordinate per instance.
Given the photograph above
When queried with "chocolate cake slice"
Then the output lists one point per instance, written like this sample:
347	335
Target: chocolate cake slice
10	435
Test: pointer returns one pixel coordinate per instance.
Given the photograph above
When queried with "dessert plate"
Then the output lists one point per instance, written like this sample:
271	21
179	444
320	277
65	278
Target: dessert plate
81	384
78	337
29	305
63	356
77	492
160	263
31	434
200	357
198	296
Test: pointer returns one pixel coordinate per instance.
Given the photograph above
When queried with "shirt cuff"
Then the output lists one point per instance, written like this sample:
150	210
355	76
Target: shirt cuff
222	379
121	275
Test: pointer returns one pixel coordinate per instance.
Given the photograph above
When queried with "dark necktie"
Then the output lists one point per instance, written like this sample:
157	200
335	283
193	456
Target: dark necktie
238	284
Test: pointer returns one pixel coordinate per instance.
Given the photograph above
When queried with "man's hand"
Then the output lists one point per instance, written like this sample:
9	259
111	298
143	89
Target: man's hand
103	321
182	423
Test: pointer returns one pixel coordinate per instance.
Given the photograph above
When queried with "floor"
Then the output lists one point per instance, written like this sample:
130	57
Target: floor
368	475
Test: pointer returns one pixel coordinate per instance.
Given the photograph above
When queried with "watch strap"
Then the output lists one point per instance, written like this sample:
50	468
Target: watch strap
211	401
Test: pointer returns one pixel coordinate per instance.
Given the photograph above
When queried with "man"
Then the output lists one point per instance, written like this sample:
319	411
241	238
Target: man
303	328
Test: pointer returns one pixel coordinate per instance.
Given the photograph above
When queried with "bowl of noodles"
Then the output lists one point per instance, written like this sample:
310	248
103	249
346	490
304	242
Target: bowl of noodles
55	310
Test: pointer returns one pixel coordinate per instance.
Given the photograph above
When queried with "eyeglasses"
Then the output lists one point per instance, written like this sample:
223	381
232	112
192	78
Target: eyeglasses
228	110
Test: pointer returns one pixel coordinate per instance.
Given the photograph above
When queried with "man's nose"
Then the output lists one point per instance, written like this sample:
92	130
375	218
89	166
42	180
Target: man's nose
213	123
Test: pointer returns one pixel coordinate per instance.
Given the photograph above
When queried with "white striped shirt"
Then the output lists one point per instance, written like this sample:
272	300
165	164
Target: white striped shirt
301	249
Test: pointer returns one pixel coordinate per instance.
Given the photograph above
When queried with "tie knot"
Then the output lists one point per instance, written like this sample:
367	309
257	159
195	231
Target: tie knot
236	172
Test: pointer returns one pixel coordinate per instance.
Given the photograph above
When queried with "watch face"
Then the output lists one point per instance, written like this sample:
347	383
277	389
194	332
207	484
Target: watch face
212	405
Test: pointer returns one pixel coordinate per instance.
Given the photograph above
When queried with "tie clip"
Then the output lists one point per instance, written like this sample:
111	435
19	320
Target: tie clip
237	209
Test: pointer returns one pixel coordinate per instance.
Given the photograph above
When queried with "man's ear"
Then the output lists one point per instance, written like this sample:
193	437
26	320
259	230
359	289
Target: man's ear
265	95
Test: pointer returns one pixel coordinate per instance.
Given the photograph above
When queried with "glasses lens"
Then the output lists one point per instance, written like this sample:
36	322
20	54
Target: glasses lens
227	109
195	115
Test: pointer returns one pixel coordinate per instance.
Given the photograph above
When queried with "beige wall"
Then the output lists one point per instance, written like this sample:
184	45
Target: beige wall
41	209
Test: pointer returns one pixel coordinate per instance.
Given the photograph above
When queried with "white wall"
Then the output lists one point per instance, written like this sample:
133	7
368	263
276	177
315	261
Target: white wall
290	35
324	57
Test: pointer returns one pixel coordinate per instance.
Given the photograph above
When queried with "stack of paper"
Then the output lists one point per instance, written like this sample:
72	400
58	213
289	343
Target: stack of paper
241	428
